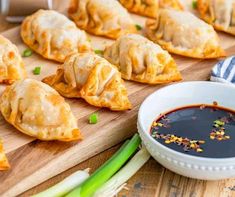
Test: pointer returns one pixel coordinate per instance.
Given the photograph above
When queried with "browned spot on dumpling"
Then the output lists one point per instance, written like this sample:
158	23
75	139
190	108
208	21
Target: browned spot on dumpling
55	99
11	55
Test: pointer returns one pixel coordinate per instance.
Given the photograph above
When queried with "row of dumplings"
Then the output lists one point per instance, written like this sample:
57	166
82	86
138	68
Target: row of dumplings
54	36
38	110
219	13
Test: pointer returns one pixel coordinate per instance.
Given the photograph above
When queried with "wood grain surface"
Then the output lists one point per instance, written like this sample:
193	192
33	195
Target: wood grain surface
34	161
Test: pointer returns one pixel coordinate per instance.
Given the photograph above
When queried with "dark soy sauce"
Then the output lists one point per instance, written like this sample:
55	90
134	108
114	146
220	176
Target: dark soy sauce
198	123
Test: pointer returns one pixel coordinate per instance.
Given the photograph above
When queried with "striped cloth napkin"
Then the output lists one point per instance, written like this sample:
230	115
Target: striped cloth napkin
224	71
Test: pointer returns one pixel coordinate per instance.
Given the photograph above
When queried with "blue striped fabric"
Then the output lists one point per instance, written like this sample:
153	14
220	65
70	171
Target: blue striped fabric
224	71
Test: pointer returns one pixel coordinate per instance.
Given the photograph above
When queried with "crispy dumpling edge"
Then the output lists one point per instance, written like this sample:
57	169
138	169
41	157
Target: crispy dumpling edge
151	14
4	164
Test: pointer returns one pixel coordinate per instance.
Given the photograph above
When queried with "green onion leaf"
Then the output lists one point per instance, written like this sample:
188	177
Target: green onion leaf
27	53
37	71
93	118
99	52
108	169
138	27
194	4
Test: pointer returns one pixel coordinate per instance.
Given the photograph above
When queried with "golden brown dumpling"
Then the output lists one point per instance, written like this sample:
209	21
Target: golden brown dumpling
101	17
150	7
4	165
53	35
219	13
139	59
92	78
183	33
36	109
11	64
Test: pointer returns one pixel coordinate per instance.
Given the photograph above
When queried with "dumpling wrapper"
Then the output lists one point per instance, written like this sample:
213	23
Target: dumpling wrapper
53	35
102	17
4	164
139	59
11	64
92	78
219	13
184	34
150	8
36	109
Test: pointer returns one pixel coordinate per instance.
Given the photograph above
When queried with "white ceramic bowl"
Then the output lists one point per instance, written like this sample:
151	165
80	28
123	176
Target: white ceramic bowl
178	95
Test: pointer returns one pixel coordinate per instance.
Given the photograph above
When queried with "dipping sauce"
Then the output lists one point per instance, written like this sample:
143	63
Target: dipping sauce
200	130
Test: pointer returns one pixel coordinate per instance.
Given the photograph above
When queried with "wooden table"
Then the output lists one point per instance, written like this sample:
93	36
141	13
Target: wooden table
151	180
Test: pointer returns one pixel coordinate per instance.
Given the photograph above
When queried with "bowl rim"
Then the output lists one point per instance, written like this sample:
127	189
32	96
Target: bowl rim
172	151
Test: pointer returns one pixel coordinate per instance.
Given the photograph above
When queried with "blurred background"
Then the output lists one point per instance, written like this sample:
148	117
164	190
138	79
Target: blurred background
13	11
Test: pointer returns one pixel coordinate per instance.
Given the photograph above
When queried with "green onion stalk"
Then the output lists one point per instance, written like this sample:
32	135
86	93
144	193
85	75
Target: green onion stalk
117	182
106	171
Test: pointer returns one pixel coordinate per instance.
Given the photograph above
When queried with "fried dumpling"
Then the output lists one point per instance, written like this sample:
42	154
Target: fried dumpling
139	59
4	165
183	33
150	7
53	35
11	64
92	78
219	13
101	17
36	109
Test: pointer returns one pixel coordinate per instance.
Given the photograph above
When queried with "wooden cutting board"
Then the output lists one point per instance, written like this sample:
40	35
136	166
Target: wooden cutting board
33	161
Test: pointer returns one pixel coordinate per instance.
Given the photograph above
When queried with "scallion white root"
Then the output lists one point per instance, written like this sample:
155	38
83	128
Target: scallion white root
117	182
65	186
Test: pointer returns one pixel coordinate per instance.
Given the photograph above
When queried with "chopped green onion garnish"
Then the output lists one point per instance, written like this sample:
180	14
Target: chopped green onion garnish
93	118
99	52
37	71
194	4
219	123
138	27
107	170
160	124
27	53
